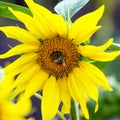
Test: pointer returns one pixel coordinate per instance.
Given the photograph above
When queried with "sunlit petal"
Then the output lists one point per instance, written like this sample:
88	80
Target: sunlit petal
90	49
84	36
50	100
19	49
37	9
19	34
85	83
64	95
84	23
36	83
95	75
77	94
24	59
26	75
29	23
105	56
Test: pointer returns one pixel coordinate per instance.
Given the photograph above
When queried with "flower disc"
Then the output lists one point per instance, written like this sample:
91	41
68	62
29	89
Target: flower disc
58	56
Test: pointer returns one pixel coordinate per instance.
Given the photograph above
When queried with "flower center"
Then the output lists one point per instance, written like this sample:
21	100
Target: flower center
58	56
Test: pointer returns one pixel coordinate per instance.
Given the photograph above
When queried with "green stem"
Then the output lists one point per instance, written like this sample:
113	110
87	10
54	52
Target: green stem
74	111
61	116
58	113
38	96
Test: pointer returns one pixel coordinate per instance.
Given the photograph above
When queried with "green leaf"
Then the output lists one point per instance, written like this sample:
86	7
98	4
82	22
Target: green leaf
72	5
114	46
4	11
100	65
74	111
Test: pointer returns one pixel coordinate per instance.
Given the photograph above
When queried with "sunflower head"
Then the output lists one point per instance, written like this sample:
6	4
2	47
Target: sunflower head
58	56
55	65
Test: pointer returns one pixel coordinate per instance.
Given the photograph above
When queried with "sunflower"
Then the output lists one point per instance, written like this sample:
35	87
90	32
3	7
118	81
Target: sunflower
8	109
53	59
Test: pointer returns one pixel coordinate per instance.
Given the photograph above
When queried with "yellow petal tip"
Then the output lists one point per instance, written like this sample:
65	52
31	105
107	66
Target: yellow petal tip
102	8
10	9
100	11
96	107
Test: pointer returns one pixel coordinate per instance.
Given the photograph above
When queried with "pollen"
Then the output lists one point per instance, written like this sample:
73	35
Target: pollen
58	56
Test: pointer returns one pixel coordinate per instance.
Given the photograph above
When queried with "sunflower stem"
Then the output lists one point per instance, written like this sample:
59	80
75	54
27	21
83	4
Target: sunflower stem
74	111
38	96
58	113
61	116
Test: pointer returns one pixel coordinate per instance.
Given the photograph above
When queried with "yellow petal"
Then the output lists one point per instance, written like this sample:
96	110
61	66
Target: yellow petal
13	118
37	9
28	21
95	75
90	49
45	28
77	94
97	52
65	109
103	47
5	87
64	95
23	60
36	83
42	17
26	75
84	23
19	49
58	24
90	19
45	19
23	106
84	35
19	69
105	56
50	100
19	34
85	83
19	89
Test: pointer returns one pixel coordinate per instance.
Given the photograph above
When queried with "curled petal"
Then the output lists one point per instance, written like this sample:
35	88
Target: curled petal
97	53
88	49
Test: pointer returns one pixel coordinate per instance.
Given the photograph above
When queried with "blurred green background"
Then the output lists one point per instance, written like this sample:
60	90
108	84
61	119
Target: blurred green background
109	103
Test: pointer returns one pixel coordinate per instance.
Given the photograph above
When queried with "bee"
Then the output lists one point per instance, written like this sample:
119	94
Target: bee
59	58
